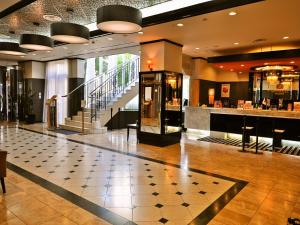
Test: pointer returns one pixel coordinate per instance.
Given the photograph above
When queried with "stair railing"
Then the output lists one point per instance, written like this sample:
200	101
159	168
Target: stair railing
93	89
114	86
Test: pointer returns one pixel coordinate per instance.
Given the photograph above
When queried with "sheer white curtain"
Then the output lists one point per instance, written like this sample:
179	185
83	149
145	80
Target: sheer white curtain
90	73
57	84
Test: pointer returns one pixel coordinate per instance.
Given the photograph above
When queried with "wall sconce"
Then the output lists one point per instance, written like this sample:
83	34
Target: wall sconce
211	96
150	65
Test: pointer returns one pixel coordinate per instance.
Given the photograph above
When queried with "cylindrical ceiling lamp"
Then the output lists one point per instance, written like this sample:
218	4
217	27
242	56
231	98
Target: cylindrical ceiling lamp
119	19
70	33
36	42
11	48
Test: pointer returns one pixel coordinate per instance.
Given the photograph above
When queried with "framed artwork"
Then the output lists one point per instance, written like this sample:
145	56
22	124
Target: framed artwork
225	91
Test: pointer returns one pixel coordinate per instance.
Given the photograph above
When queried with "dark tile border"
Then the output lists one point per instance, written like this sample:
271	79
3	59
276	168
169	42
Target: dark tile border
203	218
93	208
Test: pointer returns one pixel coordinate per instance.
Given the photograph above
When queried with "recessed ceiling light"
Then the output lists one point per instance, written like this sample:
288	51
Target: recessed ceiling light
179	25
242	65
141	32
48	51
221	67
33	54
232	13
231	70
286	37
86	44
236	43
65	47
110	39
22	56
197	48
52	18
292	62
266	63
240	72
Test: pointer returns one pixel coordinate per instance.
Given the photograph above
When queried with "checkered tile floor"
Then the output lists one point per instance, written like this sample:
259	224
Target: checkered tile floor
136	189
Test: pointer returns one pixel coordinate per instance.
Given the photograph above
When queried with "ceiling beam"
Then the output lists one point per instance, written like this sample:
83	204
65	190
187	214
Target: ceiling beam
15	7
255	56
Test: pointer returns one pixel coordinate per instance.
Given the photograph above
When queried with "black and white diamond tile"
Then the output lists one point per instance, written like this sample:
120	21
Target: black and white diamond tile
134	188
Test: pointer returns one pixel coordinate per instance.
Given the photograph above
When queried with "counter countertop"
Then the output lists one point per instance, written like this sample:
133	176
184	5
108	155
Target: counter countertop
250	112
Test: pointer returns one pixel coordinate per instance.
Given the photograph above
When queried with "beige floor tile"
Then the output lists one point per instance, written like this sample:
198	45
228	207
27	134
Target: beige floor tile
141	214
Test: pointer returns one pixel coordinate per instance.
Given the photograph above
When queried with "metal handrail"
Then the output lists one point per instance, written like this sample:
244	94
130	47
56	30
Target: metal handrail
97	76
114	85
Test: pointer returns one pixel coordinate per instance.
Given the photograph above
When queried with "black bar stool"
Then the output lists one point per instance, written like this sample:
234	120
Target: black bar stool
247	130
277	138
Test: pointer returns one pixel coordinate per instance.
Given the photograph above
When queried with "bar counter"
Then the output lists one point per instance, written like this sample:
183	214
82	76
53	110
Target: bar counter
231	120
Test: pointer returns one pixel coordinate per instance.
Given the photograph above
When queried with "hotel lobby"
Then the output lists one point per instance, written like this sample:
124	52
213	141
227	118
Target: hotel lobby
149	112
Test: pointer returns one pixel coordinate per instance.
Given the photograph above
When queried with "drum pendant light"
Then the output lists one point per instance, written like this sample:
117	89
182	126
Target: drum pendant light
11	48
70	33
119	19
36	42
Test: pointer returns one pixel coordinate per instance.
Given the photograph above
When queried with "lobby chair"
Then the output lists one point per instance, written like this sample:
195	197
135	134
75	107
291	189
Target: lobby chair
3	155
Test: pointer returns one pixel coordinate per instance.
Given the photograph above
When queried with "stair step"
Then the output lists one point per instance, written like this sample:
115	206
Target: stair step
100	130
79	119
77	123
74	128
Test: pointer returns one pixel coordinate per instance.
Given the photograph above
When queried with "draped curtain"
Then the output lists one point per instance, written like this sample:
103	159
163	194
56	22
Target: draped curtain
57	84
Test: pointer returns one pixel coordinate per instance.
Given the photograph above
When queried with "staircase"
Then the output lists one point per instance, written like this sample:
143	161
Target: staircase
103	95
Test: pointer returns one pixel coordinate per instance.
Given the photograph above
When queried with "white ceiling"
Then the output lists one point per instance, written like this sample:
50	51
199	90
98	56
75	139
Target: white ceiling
4	4
214	33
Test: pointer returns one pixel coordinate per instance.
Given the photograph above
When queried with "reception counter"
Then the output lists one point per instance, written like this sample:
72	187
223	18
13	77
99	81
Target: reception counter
231	120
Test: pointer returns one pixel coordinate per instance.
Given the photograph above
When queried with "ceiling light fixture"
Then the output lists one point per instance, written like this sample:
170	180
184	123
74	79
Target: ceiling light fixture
52	18
221	67
197	48
110	39
11	48
70	33
292	62
236	43
286	37
242	65
232	13
180	25
119	19
36	42
141	32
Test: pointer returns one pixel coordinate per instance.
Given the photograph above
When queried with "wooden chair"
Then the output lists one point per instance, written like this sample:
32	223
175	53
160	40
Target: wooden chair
3	155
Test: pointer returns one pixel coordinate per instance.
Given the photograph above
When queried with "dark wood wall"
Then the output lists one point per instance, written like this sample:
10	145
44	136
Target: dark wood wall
37	87
238	90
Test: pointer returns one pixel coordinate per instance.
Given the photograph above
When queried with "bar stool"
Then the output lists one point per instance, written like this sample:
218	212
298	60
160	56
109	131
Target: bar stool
247	130
277	138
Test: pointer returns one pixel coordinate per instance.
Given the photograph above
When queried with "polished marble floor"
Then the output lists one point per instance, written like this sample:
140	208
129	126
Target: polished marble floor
270	197
136	189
